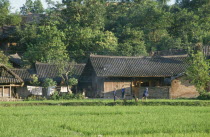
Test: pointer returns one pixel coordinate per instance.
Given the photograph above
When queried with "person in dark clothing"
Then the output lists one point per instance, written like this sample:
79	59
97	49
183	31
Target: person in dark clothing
145	94
115	94
123	92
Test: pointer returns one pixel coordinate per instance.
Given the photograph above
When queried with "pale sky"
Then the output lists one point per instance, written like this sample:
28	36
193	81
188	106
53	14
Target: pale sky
16	4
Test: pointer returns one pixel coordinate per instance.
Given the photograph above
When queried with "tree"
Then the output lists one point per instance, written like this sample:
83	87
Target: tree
4	59
37	7
27	7
4	6
35	80
72	82
84	41
86	13
32	7
49	83
24	36
198	72
131	42
47	46
192	5
185	26
5	17
163	2
66	71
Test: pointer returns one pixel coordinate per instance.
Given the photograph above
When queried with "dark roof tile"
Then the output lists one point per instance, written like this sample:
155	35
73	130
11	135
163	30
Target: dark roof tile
45	70
24	74
118	66
8	77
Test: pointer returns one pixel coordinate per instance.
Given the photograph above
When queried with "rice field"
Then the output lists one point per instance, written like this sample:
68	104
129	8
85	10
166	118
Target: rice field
61	121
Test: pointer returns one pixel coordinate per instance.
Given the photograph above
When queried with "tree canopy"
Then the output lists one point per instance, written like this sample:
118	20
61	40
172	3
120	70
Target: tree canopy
83	27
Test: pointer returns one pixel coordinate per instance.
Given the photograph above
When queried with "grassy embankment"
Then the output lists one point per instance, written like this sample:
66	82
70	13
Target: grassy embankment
110	102
119	121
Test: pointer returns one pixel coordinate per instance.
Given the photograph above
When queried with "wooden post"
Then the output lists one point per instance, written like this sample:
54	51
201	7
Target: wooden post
10	91
3	91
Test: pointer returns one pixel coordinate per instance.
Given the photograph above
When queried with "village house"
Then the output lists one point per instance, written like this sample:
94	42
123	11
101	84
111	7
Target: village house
15	82
43	71
164	75
8	82
102	74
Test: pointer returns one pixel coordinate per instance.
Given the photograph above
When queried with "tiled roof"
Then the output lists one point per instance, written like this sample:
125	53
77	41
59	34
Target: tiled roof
8	77
45	70
24	74
15	58
118	66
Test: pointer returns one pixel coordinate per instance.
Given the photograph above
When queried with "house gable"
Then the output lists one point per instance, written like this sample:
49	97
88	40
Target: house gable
9	77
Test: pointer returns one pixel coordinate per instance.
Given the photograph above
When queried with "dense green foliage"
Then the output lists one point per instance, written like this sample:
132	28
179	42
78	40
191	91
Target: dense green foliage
48	82
32	7
198	72
66	96
4	59
105	121
125	28
47	46
204	96
34	80
5	17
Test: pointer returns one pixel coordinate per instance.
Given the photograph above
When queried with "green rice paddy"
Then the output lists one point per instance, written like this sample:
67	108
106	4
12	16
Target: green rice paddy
61	121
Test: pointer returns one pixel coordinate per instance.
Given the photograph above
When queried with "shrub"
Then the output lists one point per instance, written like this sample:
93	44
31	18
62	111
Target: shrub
204	96
79	96
66	96
55	96
49	83
34	98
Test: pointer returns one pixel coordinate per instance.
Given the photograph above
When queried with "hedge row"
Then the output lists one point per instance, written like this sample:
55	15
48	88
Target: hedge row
118	103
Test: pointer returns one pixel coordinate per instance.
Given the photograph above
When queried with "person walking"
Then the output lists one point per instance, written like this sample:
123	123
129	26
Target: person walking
123	92
145	94
115	94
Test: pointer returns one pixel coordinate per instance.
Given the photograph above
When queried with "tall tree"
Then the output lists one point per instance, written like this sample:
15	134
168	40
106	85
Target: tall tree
131	42
27	7
84	41
198	72
31	7
86	13
47	46
4	6
5	17
38	7
163	2
192	5
185	26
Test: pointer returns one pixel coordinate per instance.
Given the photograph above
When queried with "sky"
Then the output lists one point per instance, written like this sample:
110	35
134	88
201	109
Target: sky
16	4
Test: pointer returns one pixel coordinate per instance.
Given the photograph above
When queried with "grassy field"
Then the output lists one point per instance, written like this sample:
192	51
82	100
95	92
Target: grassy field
44	121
